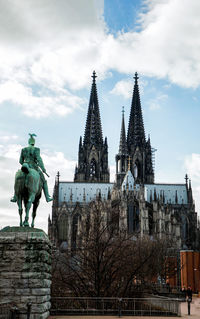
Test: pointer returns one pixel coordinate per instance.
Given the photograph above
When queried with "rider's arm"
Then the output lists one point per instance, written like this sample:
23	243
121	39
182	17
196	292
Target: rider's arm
39	160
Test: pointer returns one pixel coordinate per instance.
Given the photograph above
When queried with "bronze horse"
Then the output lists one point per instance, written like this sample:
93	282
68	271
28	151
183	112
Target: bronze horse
28	188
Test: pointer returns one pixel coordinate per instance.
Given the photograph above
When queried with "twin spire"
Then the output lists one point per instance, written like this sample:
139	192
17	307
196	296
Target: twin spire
134	148
93	151
93	130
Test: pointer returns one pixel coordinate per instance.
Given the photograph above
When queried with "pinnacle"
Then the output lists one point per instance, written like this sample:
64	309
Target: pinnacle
94	76
123	144
136	77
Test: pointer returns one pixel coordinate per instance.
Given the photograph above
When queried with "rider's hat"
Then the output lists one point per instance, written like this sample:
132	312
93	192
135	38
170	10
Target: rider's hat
31	140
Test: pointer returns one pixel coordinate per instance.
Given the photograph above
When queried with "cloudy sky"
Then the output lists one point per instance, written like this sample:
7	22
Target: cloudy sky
48	51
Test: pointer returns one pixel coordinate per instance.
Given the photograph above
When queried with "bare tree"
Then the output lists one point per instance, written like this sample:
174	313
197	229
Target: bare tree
107	261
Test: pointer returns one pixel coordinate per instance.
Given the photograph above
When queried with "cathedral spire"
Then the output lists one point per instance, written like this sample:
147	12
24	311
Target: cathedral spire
136	134
122	143
93	152
139	149
93	131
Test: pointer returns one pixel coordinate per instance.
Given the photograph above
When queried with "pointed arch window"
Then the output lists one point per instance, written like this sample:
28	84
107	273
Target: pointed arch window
74	230
63	228
133	218
185	228
135	171
93	168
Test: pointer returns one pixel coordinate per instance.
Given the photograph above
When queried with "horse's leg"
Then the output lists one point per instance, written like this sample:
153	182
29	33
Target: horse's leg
28	206
19	203
35	206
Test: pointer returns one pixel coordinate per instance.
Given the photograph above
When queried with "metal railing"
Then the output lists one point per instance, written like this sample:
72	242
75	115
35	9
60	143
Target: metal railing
154	306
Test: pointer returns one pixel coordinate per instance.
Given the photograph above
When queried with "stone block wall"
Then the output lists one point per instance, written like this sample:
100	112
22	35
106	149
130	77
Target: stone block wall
25	270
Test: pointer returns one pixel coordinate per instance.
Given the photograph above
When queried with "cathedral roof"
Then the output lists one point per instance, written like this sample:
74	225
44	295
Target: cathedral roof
93	131
86	192
170	193
83	192
136	133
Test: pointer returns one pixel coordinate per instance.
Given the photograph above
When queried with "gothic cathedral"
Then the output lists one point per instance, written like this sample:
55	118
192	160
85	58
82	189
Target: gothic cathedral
145	207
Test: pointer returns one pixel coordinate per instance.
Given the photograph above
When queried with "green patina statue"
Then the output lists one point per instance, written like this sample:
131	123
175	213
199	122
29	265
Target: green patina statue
29	181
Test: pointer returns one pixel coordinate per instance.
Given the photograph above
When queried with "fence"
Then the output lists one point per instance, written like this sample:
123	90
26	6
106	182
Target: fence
115	306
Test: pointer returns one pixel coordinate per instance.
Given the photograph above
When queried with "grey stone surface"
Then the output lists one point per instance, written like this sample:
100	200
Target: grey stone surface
37	316
43	298
36	275
24	291
25	271
41	291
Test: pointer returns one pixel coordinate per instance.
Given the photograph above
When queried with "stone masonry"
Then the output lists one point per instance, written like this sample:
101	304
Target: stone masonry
25	271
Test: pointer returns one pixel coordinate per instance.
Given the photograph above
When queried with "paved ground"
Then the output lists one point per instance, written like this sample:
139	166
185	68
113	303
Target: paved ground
195	313
195	309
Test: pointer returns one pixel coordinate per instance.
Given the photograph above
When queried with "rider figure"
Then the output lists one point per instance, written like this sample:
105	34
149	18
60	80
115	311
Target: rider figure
31	156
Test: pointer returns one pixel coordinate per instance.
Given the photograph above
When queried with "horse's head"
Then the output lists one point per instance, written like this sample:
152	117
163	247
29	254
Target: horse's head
25	168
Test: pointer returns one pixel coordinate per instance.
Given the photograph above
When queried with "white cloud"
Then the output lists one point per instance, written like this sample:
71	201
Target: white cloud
57	44
192	165
25	22
8	167
57	159
10	151
6	138
167	45
52	46
155	104
39	106
124	88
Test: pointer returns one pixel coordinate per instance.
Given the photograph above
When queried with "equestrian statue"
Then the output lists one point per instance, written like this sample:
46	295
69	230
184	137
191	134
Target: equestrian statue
29	182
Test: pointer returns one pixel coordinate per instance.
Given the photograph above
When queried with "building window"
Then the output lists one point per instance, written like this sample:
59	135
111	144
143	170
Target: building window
74	230
135	171
150	222
63	228
133	218
93	168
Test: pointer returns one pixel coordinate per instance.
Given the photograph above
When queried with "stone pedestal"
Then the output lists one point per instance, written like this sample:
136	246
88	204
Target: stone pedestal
25	270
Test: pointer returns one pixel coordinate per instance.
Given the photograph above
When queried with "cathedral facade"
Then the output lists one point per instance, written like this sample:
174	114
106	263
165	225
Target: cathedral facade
144	207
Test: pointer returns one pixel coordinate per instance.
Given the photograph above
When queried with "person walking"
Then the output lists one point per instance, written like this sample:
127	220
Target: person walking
189	293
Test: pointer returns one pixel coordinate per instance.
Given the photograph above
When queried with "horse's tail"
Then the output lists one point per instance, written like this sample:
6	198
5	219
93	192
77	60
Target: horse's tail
19	182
